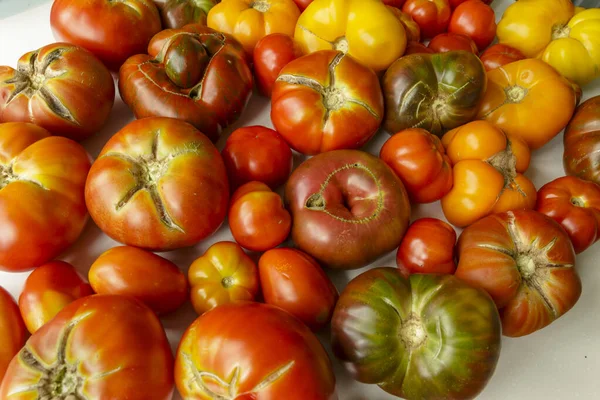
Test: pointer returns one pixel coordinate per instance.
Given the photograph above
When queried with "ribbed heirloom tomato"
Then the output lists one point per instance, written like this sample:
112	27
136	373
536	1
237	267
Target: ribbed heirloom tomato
271	54
433	16
581	157
12	330
498	55
476	20
450	41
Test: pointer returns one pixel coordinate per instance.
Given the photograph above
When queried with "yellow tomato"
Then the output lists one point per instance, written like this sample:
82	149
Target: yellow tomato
365	29
251	20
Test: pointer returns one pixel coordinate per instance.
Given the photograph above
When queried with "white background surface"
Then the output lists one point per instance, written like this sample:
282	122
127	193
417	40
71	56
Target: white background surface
561	361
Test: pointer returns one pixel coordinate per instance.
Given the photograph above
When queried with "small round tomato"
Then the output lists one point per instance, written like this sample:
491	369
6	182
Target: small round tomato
575	204
257	153
475	19
223	274
419	159
499	55
445	42
417	48
257	217
271	54
412	29
12	330
433	16
130	271
294	281
427	248
49	289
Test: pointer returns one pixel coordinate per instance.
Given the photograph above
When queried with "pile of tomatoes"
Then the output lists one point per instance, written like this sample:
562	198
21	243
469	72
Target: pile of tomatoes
463	115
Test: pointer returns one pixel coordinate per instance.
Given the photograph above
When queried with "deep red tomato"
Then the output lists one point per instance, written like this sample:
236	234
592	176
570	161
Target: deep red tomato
445	42
292	280
49	289
302	4
394	3
12	330
456	3
427	248
433	16
475	19
257	153
271	54
130	271
417	48
112	30
498	55
257	217
575	204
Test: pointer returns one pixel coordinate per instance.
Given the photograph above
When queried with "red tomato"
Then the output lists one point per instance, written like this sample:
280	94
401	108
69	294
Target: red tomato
456	3
271	54
394	3
575	204
294	281
417	48
49	289
257	217
427	248
302	4
499	55
257	153
475	19
433	16
12	330
445	42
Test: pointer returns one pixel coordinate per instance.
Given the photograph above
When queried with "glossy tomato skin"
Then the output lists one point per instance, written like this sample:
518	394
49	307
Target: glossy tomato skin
450	41
271	353
427	248
433	16
420	161
258	218
158	184
60	87
476	20
575	205
12	330
423	338
40	177
416	48
271	54
49	289
412	29
130	355
348	207
498	55
179	13
526	262
222	275
129	271
456	3
302	4
257	153
581	157
394	3
326	101
292	280
112	30
194	74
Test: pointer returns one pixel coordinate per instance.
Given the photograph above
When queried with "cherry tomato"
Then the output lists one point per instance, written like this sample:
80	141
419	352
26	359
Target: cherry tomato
12	330
445	42
499	55
417	48
475	19
271	54
433	16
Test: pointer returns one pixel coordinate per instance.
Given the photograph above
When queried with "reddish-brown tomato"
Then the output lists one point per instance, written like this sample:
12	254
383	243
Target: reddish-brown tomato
445	42
271	54
498	55
12	330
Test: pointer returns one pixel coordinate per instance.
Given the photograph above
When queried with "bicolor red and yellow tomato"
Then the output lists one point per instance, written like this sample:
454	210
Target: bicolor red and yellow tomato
271	54
12	330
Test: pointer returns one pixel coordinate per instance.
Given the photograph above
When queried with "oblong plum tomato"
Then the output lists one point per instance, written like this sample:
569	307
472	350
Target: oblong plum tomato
498	55
433	16
271	54
12	330
445	42
476	20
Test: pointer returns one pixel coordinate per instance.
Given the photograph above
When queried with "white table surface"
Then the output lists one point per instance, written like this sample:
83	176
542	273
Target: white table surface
561	361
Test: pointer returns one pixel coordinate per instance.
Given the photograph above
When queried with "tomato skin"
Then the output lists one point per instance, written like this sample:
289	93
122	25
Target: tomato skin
12	330
456	3
394	3
412	29
112	30
476	20
178	13
498	55
302	4
433	16
222	275
292	280
271	54
49	289
445	42
417	48
427	248
257	217
129	271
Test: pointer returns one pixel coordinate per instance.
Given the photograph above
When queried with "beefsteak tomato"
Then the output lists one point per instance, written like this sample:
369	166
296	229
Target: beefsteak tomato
12	330
179	13
475	19
433	16
445	42
271	54
498	55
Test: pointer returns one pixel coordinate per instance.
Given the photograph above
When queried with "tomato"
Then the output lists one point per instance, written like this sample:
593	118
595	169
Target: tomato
456	3
60	87
112	30
445	42
158	184
394	3
419	159
294	281
41	177
581	157
178	13
433	16
98	347
302	4
253	351
519	92
364	29
194	74
223	274
575	205
436	92
257	153
251	20
413	32
326	101
271	54
130	271
12	330
498	55
427	248
349	208
49	289
422	338
475	19
416	48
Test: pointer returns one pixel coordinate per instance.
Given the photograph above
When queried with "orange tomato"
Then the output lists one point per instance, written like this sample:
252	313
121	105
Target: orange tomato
12	330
